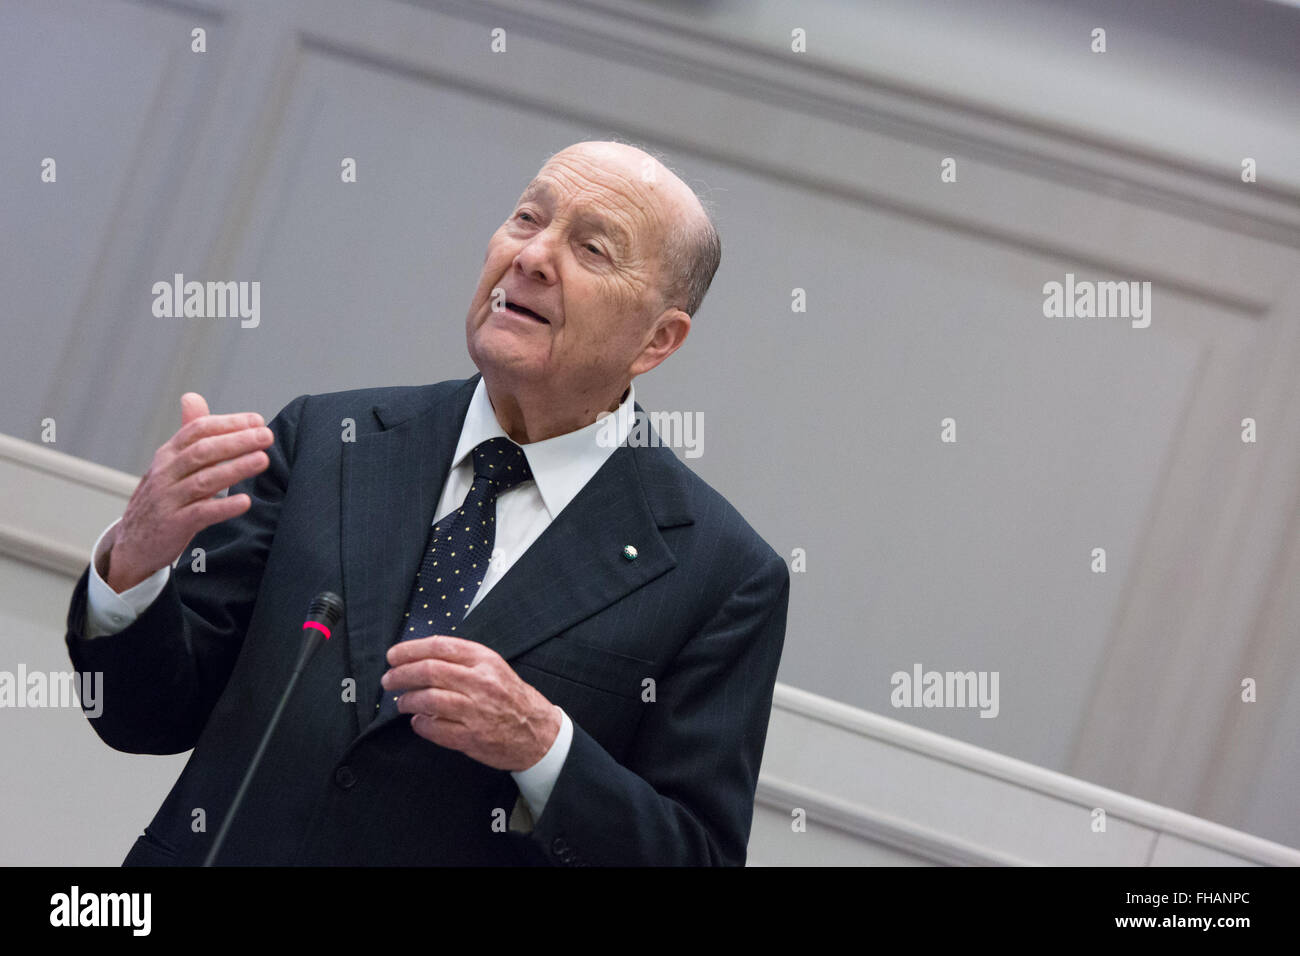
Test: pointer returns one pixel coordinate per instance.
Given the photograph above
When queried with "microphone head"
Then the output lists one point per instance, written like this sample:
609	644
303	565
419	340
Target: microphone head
326	608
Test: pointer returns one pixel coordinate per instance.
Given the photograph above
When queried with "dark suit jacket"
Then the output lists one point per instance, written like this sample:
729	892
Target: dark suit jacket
701	610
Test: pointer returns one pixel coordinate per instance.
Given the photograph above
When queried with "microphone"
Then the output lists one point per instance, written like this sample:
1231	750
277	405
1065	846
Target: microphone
323	615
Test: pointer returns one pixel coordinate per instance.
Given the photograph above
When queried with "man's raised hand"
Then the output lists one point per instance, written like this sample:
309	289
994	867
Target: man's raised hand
174	500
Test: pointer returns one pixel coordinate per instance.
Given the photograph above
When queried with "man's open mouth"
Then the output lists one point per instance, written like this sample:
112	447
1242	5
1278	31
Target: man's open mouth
516	307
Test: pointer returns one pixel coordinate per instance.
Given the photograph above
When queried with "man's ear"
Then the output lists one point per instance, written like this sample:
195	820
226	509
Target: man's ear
670	331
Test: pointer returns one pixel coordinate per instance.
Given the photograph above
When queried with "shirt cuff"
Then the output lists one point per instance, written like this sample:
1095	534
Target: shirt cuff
537	782
108	612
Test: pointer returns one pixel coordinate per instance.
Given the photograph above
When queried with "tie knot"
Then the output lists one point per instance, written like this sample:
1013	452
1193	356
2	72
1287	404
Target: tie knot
501	461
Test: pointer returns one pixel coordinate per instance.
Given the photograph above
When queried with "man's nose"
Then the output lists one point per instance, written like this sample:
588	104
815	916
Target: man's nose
537	257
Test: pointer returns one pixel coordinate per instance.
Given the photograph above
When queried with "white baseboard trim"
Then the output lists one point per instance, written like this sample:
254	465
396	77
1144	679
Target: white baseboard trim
855	737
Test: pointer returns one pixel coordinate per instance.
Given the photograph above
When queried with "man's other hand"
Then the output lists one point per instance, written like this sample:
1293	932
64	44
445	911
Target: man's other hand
463	695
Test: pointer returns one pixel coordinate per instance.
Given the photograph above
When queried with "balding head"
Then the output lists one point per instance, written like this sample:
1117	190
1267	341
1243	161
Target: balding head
691	248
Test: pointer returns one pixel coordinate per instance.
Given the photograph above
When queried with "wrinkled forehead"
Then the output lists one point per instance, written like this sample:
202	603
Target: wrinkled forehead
619	201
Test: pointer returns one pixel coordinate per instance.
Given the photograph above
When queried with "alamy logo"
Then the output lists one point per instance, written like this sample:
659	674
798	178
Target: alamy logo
208	300
946	689
75	908
683	430
1098	300
55	689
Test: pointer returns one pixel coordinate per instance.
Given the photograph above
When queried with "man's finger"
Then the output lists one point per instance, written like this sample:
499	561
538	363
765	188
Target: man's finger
426	672
208	425
435	702
442	646
444	733
215	449
193	405
211	480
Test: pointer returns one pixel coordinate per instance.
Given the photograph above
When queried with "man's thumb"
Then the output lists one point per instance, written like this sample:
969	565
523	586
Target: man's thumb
192	406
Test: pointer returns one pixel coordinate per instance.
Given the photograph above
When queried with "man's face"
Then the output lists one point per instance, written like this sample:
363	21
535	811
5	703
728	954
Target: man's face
581	249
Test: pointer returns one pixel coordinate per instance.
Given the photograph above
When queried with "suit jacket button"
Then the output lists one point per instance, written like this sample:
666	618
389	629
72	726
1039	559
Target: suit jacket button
344	777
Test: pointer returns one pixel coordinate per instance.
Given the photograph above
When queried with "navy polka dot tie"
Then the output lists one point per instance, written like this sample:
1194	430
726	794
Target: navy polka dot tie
458	551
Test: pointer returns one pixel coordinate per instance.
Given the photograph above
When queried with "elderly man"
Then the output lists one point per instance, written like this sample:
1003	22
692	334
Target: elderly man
555	649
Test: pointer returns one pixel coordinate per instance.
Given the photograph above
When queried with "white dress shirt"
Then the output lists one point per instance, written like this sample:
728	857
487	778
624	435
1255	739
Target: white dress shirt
561	467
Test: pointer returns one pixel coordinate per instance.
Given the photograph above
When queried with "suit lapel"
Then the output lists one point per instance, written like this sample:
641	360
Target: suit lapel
391	481
576	567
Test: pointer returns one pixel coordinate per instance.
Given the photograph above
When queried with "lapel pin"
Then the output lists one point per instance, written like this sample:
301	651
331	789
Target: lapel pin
629	552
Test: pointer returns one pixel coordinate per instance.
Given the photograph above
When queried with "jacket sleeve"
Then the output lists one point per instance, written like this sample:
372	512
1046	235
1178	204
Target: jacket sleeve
685	793
163	674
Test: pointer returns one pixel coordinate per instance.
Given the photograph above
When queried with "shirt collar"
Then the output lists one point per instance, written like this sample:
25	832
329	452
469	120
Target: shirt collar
562	465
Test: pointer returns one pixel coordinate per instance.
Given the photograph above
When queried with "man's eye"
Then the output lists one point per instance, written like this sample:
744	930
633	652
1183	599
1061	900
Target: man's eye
522	215
592	247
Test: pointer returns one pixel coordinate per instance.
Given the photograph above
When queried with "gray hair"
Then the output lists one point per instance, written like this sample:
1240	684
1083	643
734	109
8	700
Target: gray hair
691	256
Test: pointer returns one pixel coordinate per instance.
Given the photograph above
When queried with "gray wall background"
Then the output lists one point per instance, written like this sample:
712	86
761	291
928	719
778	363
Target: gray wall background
924	302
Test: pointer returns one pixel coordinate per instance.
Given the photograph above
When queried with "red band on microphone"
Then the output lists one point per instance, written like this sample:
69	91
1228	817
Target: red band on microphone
319	626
